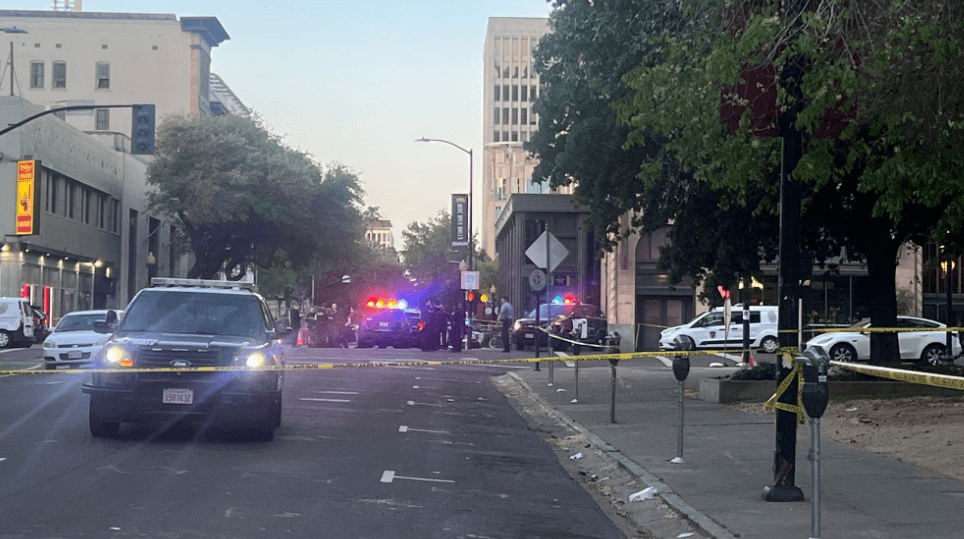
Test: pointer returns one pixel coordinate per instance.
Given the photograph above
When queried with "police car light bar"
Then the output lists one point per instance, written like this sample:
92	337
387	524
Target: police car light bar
204	283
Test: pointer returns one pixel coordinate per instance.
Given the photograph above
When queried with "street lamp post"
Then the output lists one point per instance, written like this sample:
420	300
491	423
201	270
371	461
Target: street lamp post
465	302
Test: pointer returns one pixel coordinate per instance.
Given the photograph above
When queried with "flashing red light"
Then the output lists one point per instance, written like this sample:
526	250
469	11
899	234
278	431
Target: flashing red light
470	296
421	325
371	303
569	299
25	292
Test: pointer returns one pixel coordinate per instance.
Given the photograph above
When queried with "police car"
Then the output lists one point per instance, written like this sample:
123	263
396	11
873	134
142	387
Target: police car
175	326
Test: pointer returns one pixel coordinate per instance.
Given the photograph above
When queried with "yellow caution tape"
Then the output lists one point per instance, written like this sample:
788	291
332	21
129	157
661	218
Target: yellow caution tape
795	374
915	377
376	364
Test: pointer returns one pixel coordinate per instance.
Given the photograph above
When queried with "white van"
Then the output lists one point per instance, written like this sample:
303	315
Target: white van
16	321
707	330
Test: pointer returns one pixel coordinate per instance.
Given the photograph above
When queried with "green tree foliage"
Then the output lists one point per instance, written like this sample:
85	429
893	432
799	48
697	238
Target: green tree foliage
891	176
242	196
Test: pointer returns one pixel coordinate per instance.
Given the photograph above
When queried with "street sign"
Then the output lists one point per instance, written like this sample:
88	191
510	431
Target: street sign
470	280
537	280
537	251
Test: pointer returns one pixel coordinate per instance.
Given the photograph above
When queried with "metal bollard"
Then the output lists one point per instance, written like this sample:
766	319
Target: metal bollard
681	369
611	349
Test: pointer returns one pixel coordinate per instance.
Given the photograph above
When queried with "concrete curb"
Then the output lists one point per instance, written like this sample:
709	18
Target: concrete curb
704	523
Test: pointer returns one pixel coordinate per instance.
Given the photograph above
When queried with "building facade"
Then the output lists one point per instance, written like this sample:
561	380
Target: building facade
80	58
98	243
510	88
379	233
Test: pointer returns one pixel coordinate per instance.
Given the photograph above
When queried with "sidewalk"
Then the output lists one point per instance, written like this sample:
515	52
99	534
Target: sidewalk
729	456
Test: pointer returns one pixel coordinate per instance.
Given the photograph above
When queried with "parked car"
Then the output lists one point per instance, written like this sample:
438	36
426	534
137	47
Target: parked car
41	323
75	341
390	327
525	332
708	331
925	345
583	323
16	321
182	324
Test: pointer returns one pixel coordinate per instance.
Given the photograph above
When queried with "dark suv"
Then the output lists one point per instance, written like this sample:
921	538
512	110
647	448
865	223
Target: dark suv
570	326
525	332
180	325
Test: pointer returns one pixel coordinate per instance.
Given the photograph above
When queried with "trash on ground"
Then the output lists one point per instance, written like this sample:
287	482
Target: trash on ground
560	390
686	534
645	494
577	456
851	409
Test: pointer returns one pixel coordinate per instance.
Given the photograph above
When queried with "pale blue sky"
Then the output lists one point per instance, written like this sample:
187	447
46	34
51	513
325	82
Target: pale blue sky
357	82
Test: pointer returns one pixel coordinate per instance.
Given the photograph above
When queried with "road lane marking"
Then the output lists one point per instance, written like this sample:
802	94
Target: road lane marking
337	392
413	403
665	360
405	428
389	475
323	400
449	380
3	459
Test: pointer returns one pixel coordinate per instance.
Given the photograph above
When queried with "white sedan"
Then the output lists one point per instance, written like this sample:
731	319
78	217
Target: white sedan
74	342
924	345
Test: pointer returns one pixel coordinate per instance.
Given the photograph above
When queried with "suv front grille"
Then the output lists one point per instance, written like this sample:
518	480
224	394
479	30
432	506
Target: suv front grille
161	358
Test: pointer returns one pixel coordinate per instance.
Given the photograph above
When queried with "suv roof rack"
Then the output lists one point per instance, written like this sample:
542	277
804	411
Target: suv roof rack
204	283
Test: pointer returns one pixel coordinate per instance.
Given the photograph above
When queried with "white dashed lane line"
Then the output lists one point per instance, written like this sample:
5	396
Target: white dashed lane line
413	403
337	392
389	475
405	428
323	400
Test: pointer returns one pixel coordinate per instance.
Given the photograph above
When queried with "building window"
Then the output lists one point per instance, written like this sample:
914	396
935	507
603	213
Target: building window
496	116
52	194
88	206
525	73
103	120
515	136
60	75
102	212
515	72
515	116
524	115
498	73
515	92
104	47
505	92
496	94
36	74
532	92
525	93
505	115
505	136
495	136
103	76
71	199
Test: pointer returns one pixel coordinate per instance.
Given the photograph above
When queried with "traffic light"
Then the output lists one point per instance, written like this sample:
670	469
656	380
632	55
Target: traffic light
470	295
142	130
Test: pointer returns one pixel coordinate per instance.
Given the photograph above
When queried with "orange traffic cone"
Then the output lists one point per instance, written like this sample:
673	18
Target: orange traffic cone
301	337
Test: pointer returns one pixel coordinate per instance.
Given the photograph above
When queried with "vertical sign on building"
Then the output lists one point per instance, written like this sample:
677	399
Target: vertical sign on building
28	218
460	224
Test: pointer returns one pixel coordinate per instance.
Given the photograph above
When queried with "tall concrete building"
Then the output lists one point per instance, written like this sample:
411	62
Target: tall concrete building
511	87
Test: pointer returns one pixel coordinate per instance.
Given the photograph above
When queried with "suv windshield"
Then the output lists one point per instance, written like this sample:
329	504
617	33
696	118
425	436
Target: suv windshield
166	311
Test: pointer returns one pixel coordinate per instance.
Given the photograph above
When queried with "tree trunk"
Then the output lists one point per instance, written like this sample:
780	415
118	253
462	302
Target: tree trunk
882	270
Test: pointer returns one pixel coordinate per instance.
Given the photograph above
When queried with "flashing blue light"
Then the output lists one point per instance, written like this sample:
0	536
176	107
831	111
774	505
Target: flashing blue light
557	300
402	304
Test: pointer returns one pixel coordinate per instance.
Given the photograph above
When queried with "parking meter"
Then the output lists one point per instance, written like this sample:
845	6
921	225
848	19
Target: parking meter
612	345
681	369
815	396
681	364
816	393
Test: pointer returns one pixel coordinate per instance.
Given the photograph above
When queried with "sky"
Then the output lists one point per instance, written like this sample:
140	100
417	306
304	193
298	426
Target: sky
356	82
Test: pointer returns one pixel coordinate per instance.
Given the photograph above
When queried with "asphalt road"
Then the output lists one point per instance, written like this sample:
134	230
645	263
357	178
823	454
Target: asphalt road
420	452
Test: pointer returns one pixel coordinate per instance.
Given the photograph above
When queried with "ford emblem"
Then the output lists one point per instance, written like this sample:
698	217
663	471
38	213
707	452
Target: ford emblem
180	363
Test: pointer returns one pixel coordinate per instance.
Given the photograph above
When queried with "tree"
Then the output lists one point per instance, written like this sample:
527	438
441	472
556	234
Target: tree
890	176
241	196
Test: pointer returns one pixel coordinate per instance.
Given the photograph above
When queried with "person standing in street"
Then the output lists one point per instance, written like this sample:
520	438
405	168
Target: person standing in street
294	321
506	317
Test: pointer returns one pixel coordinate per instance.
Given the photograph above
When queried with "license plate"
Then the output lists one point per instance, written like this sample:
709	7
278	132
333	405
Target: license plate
529	335
178	396
74	354
384	324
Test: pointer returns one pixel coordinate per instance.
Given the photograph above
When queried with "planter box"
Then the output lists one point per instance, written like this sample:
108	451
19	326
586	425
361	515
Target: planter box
720	391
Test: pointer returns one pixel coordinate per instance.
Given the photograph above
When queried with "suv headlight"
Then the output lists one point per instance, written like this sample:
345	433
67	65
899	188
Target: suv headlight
518	325
252	359
118	356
